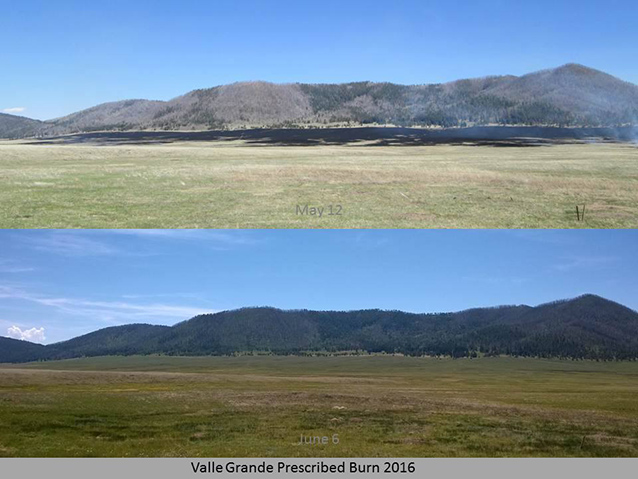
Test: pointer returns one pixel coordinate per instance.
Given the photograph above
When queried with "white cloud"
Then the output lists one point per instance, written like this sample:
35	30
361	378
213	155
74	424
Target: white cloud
17	109
34	334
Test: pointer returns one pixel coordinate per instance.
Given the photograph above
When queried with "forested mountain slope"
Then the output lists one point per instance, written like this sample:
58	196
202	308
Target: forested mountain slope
585	327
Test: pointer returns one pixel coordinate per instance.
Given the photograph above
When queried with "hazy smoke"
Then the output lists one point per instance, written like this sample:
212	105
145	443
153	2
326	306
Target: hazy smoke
34	334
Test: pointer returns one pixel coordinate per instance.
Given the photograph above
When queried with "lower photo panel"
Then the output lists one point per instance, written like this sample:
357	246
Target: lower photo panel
266	344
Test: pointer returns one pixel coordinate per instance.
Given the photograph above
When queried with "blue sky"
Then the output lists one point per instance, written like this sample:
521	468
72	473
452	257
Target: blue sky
70	282
59	57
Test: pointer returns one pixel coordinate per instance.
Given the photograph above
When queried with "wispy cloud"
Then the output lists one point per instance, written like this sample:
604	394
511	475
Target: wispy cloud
104	242
161	233
500	280
15	109
113	312
8	266
121	309
212	237
579	262
542	236
34	334
69	244
366	239
199	297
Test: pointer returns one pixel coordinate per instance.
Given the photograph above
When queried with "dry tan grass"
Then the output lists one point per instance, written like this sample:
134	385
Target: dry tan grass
213	185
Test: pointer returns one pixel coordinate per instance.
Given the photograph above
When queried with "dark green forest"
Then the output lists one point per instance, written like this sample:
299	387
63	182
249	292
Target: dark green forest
587	327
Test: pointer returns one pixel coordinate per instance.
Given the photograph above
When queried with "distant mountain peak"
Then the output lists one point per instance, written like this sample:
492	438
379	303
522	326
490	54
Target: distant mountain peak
585	296
576	68
592	296
597	300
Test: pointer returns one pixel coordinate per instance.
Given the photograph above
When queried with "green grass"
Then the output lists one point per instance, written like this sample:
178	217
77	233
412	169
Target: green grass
213	185
259	406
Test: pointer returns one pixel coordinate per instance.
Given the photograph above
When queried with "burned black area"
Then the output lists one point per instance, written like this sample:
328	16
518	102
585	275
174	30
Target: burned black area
367	136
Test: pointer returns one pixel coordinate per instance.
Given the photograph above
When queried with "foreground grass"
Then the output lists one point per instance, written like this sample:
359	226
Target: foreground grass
212	185
259	406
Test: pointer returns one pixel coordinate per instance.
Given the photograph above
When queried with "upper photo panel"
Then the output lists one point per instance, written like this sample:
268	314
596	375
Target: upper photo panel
332	114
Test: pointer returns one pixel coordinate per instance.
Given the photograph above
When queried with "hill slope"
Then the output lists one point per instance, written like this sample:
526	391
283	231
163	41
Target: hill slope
17	351
571	95
116	340
584	327
119	115
13	126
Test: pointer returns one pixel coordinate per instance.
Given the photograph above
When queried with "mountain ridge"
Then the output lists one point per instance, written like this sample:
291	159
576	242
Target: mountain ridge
570	95
587	326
